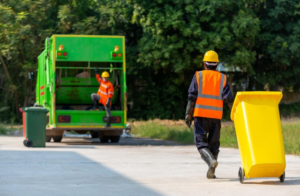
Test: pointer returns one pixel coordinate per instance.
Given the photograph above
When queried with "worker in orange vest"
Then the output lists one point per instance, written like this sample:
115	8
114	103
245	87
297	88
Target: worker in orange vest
104	95
208	89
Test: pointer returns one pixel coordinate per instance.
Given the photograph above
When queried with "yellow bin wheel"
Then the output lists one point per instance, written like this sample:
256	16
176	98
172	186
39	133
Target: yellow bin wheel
241	175
282	177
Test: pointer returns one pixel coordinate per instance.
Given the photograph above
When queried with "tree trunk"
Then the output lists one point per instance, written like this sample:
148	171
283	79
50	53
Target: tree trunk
5	69
230	83
11	83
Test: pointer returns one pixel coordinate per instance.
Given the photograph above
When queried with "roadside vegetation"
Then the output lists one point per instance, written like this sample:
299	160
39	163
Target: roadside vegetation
2	129
163	129
165	42
178	132
10	129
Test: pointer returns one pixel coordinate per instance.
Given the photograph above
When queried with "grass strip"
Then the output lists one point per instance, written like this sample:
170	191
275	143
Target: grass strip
181	134
151	129
10	129
3	129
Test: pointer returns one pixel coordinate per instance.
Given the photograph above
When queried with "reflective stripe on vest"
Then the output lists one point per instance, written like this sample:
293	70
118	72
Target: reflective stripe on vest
102	92
104	85
209	106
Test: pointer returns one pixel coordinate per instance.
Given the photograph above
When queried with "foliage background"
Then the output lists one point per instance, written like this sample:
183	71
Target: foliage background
165	40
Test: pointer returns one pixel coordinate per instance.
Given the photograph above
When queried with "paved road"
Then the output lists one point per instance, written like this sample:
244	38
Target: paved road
138	167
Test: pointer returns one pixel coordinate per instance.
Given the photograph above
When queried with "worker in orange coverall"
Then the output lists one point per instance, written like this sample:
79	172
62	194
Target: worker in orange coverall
104	95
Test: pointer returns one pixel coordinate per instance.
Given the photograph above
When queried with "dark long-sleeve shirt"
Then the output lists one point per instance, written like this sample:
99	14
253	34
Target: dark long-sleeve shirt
193	91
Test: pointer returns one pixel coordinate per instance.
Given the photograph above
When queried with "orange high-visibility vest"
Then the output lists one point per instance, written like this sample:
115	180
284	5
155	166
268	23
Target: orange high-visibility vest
105	91
209	103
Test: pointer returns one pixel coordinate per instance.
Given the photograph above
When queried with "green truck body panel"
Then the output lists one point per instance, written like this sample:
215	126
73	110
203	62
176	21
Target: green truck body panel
63	90
89	48
87	118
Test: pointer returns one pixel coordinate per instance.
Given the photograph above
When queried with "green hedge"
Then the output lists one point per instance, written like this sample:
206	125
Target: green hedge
290	110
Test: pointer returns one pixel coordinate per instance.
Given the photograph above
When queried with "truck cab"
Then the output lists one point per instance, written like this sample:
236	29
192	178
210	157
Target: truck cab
66	80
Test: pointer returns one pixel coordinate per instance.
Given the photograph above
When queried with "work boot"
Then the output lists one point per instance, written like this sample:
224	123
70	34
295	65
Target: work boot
108	122
214	170
95	108
210	161
95	105
107	109
216	156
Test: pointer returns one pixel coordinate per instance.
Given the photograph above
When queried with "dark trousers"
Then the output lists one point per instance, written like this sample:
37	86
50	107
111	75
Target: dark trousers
96	98
207	134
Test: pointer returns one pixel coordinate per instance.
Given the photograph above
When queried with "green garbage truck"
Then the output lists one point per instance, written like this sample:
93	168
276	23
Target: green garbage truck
66	80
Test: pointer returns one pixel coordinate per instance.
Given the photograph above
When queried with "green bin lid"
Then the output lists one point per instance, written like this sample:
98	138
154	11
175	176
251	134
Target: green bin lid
35	109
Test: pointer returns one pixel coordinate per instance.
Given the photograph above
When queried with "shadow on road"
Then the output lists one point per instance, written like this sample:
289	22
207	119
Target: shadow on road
53	173
288	181
258	181
271	181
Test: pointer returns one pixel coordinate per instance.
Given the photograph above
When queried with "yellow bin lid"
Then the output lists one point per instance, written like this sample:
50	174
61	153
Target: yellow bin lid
241	96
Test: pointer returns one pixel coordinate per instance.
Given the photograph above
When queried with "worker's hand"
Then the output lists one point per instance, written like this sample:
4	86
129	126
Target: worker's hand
96	70
107	102
189	112
188	120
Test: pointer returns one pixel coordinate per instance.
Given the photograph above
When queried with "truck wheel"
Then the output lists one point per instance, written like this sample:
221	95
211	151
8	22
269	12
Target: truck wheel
103	138
57	138
48	138
95	134
114	139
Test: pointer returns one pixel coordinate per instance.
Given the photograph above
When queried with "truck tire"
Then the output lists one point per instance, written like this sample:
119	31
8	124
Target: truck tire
114	139
57	138
95	134
48	138
103	138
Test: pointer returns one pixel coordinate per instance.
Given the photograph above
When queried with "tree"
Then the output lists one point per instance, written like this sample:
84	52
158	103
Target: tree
175	36
278	45
24	25
165	42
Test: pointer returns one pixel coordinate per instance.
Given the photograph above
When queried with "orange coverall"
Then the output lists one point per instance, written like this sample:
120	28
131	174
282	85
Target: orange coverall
106	90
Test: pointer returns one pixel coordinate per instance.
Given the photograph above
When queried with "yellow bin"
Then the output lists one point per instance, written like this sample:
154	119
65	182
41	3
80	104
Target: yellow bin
258	130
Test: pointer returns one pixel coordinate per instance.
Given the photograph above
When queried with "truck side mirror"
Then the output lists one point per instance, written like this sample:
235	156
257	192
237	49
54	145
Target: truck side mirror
30	75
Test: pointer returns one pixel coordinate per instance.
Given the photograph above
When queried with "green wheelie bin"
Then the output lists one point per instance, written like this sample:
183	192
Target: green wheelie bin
34	126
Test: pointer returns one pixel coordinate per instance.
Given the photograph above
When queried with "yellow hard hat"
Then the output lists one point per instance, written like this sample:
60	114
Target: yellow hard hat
105	74
211	56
